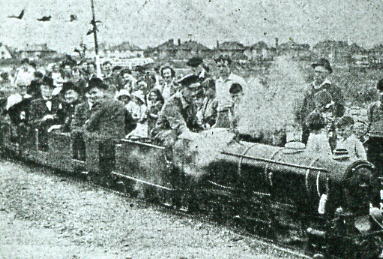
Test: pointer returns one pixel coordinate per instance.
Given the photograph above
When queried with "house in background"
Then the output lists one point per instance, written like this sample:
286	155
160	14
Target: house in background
233	49
259	52
337	52
295	50
37	51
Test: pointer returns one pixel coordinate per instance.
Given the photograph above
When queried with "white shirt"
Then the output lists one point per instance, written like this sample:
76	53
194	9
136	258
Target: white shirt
318	144
353	146
222	89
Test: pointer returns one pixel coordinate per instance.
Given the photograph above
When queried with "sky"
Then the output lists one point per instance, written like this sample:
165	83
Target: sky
151	22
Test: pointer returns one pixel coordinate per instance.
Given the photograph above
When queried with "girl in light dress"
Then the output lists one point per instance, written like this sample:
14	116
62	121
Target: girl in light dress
318	142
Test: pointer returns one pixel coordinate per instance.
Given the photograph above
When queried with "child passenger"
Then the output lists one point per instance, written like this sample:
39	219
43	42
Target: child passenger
318	142
347	140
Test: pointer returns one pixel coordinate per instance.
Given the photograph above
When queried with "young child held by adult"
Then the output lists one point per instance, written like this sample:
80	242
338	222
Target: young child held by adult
347	140
318	142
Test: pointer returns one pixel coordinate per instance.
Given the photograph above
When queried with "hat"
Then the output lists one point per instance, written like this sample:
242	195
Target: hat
122	92
96	82
69	86
190	81
323	63
194	62
139	95
47	81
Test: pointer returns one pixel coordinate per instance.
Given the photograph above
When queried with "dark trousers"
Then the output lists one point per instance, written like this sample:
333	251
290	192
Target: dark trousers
375	153
79	151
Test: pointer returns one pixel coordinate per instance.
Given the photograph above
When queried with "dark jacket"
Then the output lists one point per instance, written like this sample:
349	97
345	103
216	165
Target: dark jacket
39	109
80	116
308	104
178	116
66	115
110	119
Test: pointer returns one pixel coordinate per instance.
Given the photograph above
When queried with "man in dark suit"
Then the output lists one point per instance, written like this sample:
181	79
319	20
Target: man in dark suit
43	112
108	118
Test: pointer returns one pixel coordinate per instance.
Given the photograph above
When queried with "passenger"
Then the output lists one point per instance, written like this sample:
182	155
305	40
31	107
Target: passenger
347	139
169	87
81	116
124	97
138	110
71	100
317	142
322	70
236	93
223	84
34	87
18	107
155	103
126	80
375	131
108	119
178	115
56	76
25	72
91	71
106	69
43	112
208	111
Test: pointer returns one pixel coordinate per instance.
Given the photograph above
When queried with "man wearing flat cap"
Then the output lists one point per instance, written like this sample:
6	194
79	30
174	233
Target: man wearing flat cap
179	114
198	67
322	71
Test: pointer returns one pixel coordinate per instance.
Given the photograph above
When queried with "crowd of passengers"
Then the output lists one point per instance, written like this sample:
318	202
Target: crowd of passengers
161	105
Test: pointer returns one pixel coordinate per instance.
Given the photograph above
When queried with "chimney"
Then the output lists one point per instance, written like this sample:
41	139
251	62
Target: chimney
276	43
217	44
179	42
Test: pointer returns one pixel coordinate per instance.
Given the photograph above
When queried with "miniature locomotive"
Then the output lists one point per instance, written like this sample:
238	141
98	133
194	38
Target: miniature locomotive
285	193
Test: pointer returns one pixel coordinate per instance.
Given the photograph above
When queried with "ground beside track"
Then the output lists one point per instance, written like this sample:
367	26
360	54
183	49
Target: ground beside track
43	215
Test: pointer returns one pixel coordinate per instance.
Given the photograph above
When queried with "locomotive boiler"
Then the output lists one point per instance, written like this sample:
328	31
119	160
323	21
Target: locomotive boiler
318	197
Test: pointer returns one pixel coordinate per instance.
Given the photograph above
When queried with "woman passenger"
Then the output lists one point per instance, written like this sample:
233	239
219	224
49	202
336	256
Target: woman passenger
155	103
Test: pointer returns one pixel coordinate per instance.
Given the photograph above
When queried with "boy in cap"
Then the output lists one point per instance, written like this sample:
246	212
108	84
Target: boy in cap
43	112
347	140
322	71
375	131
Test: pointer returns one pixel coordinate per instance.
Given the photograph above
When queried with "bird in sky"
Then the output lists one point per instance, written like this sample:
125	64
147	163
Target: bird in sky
45	18
20	16
72	17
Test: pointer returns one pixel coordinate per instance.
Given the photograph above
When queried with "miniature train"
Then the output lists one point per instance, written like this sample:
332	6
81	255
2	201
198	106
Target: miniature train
286	194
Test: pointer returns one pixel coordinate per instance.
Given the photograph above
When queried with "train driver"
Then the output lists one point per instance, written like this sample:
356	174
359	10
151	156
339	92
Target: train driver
179	114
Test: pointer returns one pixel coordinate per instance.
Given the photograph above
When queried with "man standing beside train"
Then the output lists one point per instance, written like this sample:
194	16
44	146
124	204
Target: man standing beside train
223	83
322	71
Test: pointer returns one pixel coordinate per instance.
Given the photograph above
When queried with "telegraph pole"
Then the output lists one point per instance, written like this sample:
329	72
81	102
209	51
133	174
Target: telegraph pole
94	28
94	23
